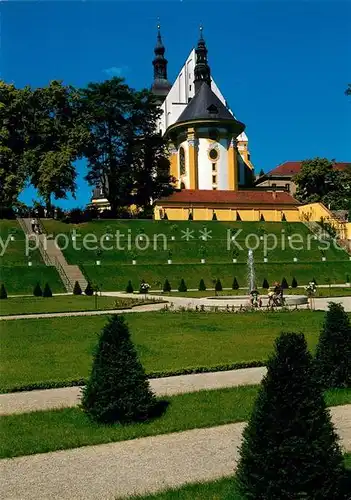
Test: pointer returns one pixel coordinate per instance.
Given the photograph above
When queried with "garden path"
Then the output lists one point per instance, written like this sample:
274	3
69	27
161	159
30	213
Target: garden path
139	466
48	399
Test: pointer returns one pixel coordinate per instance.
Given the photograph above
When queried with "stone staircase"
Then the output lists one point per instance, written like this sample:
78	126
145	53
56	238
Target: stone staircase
53	256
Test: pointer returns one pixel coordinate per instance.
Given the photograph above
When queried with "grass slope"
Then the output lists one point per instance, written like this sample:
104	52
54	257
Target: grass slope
15	273
40	351
40	432
152	265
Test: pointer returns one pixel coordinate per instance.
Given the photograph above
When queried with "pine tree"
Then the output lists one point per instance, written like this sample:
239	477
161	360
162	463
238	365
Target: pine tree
285	284
3	292
333	353
202	286
290	449
214	216
218	286
167	286
37	292
77	289
182	286
315	281
129	287
117	389
294	283
265	284
47	291
235	285
89	289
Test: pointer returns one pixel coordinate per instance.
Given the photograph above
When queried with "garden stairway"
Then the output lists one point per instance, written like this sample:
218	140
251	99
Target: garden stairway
53	256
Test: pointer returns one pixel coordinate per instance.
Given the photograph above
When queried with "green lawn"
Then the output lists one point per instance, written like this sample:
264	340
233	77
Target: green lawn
59	350
41	432
222	489
65	303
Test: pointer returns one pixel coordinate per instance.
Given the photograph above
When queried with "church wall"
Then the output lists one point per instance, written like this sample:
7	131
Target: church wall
227	213
205	164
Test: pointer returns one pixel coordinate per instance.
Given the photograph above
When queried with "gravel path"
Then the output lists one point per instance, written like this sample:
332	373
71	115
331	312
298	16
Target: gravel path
22	402
320	304
140	466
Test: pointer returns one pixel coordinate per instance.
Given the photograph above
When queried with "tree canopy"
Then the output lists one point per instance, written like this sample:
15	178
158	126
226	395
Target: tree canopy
319	180
45	130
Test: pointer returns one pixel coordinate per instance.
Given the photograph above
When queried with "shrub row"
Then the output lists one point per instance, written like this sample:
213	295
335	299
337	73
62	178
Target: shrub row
217	285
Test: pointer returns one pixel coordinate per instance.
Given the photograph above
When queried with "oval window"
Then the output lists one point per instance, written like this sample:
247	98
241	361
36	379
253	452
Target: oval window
213	154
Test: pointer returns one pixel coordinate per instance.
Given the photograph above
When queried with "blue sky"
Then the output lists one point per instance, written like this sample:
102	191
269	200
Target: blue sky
282	66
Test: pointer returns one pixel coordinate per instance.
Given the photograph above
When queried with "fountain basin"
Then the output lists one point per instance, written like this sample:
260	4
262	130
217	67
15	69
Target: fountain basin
290	300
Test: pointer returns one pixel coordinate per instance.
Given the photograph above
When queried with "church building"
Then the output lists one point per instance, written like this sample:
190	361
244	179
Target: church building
208	149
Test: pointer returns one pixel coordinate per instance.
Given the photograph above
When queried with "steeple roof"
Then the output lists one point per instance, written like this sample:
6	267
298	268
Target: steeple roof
161	86
205	106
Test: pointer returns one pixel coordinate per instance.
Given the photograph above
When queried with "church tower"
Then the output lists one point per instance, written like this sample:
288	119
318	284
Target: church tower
161	86
204	148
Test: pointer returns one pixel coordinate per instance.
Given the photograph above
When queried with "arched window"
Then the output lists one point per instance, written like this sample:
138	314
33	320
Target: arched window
182	161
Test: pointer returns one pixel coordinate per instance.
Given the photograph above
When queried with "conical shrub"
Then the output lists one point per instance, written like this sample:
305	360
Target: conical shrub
3	292
167	286
202	285
333	353
117	389
182	286
37	292
285	284
89	289
47	291
265	284
290	448
294	283
129	287
218	286
77	289
235	285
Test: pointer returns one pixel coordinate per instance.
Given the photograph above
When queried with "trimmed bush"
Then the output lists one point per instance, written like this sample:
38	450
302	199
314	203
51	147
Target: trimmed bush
117	389
37	292
47	291
77	289
218	286
202	286
265	284
285	284
129	287
235	285
333	353
294	283
89	289
3	292
182	286
167	286
290	449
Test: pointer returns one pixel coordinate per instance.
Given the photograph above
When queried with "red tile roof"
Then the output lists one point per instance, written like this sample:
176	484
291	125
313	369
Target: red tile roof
243	197
290	168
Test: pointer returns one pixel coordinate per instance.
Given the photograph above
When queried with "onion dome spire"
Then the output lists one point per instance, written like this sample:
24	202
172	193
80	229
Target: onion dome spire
161	85
202	70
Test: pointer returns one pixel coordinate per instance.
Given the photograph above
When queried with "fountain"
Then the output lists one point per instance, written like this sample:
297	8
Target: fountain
251	277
